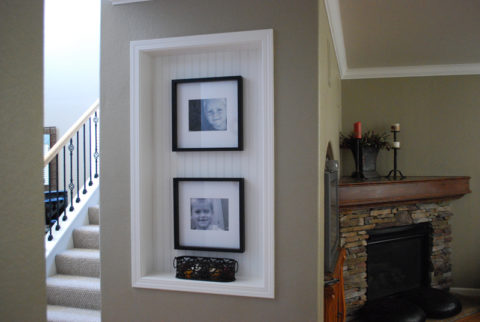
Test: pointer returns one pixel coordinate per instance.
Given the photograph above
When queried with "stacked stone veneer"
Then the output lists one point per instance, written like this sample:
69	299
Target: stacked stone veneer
354	225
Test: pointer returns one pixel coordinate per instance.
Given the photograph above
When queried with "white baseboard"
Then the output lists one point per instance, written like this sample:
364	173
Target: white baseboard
466	291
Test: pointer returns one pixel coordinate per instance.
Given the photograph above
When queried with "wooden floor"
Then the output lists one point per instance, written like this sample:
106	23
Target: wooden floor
471	318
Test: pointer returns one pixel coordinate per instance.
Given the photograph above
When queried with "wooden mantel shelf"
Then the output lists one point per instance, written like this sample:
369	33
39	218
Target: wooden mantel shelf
353	193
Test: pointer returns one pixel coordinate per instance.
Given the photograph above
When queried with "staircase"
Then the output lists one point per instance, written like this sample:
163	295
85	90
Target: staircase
74	293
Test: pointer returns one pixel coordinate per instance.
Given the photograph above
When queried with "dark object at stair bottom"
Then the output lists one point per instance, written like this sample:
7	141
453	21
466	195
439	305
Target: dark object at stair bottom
392	309
436	304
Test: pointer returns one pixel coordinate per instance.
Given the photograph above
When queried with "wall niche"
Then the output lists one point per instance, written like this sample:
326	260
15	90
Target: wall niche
154	64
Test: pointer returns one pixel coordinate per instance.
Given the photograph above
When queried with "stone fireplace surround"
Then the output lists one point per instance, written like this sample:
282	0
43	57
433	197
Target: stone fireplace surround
370	205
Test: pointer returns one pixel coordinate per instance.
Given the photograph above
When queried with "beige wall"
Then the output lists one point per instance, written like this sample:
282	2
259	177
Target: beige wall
439	119
330	113
22	268
296	157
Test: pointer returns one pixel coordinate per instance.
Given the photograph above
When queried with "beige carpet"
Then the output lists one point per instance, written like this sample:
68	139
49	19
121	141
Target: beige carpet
74	293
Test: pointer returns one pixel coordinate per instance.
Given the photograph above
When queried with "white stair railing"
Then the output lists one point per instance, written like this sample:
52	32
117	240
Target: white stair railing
73	164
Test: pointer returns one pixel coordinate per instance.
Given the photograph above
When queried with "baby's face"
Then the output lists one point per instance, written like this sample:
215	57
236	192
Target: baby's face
216	111
201	214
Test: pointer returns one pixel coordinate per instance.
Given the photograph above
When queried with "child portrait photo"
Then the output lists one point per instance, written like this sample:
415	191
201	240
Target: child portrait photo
209	213
207	114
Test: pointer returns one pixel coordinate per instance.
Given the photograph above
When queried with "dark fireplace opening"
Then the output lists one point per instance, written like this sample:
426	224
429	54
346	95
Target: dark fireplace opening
398	283
398	260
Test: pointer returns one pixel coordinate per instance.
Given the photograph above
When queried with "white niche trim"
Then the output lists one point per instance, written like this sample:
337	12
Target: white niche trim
118	2
153	165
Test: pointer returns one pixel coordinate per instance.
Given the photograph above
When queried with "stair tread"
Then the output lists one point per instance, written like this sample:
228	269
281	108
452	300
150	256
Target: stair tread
89	228
94	215
87	236
58	313
74	282
74	291
79	261
81	253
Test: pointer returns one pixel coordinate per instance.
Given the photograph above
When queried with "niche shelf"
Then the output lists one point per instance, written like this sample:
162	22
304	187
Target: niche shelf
153	64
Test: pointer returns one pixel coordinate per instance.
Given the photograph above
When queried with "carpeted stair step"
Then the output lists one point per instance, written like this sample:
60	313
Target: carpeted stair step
94	215
79	261
74	291
56	313
87	237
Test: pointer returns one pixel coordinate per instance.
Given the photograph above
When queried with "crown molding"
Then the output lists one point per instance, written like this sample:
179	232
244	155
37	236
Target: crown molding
412	71
335	22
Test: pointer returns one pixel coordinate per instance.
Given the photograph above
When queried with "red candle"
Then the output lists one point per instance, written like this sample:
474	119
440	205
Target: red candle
357	130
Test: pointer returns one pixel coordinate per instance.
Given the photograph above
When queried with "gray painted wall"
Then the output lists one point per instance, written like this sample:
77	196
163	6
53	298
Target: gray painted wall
296	136
439	119
22	268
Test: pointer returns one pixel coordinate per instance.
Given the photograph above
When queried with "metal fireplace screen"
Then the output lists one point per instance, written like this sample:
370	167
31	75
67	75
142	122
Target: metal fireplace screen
397	260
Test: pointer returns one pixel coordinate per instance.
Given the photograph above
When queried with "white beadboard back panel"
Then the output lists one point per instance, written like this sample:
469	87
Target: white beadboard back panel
153	250
146	137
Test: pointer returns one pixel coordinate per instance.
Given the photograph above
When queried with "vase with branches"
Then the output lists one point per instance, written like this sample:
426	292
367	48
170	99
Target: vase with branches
370	144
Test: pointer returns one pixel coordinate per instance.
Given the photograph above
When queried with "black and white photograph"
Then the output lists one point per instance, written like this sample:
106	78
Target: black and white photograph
207	114
208	214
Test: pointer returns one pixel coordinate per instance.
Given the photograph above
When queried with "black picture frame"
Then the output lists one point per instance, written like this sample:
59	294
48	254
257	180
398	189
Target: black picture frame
207	114
219	199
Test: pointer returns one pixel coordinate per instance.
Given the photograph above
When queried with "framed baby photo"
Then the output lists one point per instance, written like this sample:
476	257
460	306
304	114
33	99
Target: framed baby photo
207	114
209	214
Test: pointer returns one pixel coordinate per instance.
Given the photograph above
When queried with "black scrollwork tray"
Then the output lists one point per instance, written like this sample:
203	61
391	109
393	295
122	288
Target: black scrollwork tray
205	268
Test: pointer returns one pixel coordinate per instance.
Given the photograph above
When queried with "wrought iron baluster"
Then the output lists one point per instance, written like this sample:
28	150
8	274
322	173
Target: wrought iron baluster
84	164
50	236
65	197
71	186
96	155
58	199
90	149
78	171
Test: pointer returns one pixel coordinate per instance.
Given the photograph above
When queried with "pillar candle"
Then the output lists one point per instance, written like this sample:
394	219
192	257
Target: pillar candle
395	127
357	130
396	145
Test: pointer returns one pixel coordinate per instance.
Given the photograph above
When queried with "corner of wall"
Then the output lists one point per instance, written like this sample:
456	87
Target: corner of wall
330	113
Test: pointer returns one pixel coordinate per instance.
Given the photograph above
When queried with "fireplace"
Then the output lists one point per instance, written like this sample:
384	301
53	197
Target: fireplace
358	226
388	220
397	260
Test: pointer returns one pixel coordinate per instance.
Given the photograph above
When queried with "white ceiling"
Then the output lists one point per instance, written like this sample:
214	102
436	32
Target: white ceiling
401	38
